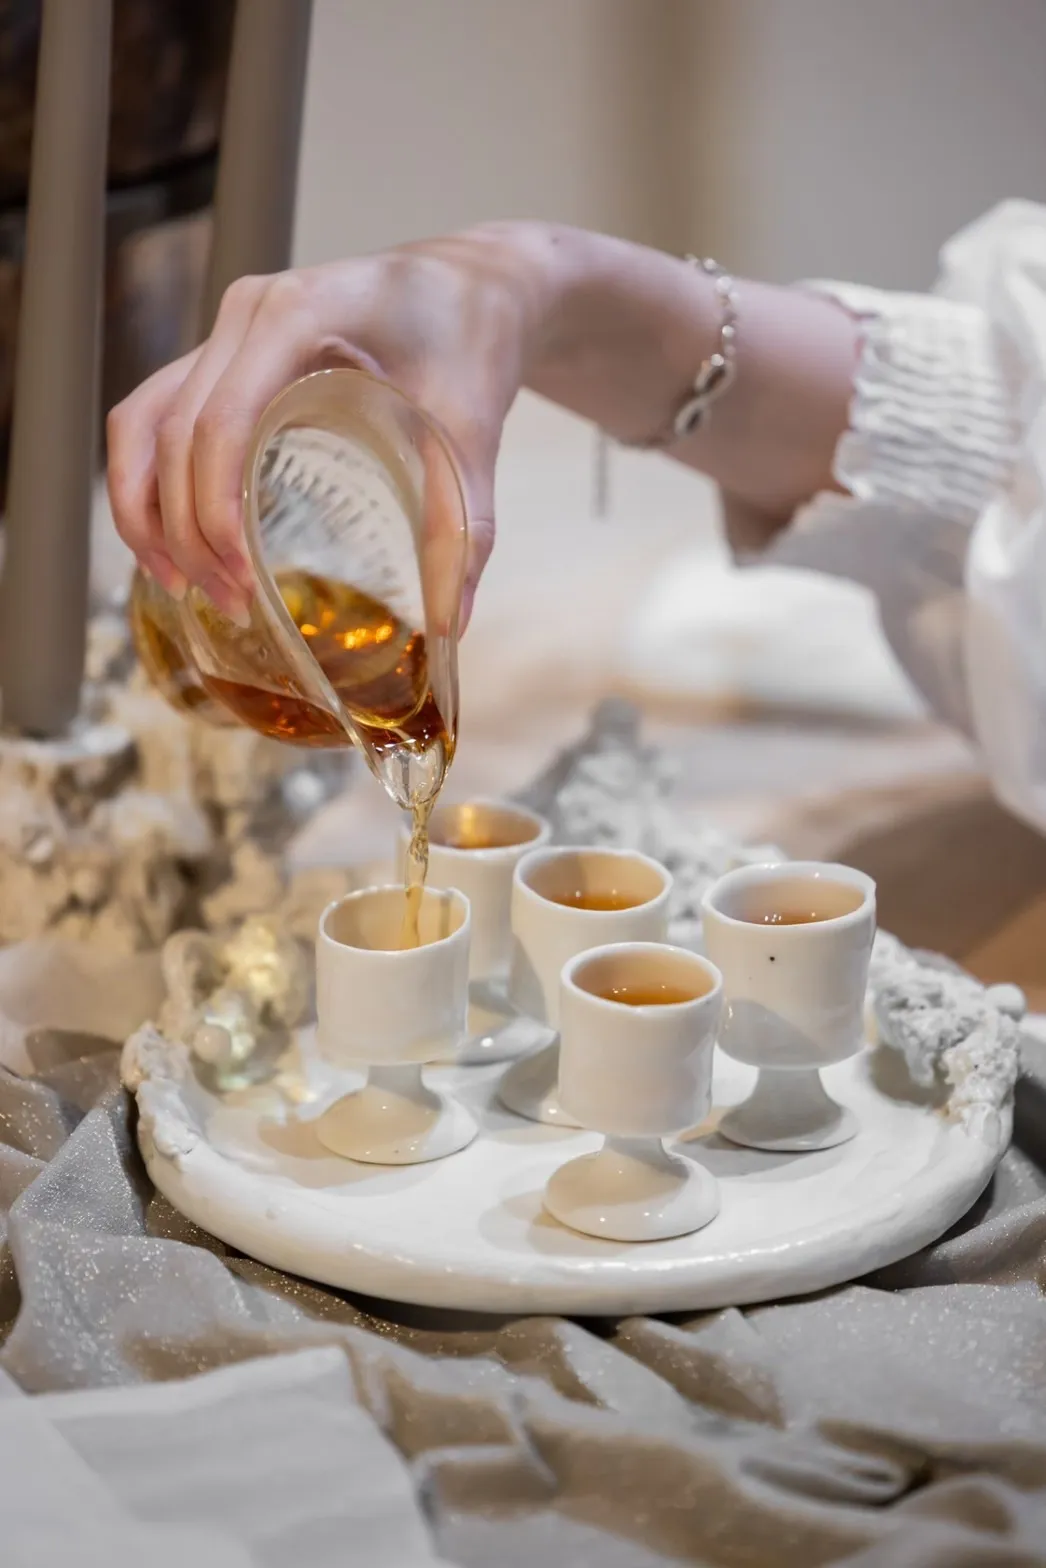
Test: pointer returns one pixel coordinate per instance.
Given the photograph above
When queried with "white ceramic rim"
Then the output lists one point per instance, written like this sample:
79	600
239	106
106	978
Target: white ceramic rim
550	852
771	871
489	855
659	949
385	954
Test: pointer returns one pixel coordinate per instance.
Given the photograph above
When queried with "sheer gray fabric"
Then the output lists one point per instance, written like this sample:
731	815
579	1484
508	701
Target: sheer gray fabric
900	1421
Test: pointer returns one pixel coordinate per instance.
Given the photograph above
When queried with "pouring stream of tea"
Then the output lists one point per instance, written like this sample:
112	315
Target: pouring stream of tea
378	667
416	871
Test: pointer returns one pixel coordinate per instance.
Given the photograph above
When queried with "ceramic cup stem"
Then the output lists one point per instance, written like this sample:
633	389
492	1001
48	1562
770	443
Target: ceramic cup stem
793	941
392	1011
407	1082
475	846
548	931
638	1024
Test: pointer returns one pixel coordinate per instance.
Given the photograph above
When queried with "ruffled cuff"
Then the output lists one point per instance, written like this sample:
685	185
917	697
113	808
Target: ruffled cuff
933	425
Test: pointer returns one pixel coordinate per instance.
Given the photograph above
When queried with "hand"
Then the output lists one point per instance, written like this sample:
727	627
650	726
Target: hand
452	323
611	330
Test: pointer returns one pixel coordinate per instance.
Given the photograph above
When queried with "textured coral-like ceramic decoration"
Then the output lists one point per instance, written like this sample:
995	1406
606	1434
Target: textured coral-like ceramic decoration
564	901
392	1010
794	942
236	1000
637	1027
612	790
108	833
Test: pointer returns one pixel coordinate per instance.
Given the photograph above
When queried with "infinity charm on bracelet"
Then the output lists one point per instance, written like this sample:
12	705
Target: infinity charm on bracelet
717	372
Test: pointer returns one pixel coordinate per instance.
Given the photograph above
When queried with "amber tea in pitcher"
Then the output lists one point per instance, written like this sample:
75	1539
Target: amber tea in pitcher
355	527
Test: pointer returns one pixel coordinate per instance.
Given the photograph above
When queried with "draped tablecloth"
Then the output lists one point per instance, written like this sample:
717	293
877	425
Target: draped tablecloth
898	1421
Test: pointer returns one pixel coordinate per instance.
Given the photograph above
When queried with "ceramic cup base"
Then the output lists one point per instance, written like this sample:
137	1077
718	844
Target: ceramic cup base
789	1113
395	1119
530	1088
496	1032
632	1189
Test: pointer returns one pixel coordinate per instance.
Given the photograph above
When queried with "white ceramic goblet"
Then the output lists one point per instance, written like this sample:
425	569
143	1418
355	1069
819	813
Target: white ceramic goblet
475	847
793	942
565	901
637	1027
391	1010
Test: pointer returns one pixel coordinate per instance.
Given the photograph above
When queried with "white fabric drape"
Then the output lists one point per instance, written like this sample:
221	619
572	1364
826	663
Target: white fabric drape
944	465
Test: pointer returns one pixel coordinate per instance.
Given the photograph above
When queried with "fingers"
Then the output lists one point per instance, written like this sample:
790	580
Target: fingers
224	576
458	521
131	470
178	445
478	444
283	342
151	465
481	543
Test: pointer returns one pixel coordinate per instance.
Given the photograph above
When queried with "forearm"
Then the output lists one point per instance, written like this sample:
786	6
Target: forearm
626	331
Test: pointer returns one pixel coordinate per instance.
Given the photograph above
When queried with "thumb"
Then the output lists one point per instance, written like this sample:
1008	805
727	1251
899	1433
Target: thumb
481	543
459	459
478	462
468	483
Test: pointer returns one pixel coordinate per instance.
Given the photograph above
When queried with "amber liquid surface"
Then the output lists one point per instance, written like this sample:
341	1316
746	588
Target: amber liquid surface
799	905
467	841
373	660
166	664
481	835
648	995
583	898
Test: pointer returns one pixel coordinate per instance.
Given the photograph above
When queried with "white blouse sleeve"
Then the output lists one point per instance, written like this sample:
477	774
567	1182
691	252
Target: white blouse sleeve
944	469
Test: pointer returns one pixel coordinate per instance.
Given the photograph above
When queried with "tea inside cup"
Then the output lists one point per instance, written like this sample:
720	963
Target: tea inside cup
393	1009
781	896
474	846
593	880
564	901
638	1027
374	923
637	976
637	1022
793	941
484	826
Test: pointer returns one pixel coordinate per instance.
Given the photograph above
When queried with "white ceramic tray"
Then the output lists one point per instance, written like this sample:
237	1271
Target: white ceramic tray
469	1232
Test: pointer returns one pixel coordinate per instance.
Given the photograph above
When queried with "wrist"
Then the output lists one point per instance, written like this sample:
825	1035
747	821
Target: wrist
625	330
543	266
616	332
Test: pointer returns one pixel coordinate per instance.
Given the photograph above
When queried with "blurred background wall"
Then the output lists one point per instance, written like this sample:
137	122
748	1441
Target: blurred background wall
844	137
849	139
424	115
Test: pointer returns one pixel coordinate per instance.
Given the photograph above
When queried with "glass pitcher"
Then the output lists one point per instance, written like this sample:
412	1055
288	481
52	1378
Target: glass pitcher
355	526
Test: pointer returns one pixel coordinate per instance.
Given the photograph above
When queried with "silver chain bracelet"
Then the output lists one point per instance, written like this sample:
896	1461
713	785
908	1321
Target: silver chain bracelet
717	372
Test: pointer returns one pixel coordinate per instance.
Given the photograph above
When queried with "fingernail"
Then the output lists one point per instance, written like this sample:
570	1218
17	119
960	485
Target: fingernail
228	600
164	571
240	570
